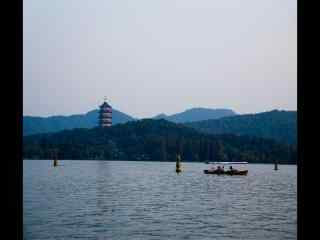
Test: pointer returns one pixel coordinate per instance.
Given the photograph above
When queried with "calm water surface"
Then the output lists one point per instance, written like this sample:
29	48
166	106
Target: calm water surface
148	200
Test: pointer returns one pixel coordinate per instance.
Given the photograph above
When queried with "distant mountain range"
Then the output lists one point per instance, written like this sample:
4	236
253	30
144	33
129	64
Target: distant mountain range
196	114
277	125
34	125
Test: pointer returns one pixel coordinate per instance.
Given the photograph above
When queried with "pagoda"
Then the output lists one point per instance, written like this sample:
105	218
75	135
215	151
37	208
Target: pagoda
105	115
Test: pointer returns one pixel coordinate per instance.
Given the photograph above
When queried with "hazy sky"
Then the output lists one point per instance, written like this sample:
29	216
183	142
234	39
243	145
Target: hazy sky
154	56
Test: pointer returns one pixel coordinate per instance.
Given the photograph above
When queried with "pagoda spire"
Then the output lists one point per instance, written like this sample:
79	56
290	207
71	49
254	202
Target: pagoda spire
105	114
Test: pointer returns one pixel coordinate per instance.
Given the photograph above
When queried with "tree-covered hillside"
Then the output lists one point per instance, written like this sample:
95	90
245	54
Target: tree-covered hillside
278	125
34	125
155	140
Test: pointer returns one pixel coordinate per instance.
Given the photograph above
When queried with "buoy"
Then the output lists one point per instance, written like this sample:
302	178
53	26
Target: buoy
275	166
178	165
55	157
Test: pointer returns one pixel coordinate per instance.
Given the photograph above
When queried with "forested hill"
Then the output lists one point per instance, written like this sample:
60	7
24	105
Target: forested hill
278	125
154	140
34	125
197	114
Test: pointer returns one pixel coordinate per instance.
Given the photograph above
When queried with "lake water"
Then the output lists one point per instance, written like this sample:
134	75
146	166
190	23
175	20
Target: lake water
148	200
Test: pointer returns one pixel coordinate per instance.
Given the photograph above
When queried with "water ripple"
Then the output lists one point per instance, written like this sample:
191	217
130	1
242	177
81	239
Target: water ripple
148	200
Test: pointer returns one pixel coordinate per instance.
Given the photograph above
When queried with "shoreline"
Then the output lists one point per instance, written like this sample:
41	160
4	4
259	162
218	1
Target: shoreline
173	161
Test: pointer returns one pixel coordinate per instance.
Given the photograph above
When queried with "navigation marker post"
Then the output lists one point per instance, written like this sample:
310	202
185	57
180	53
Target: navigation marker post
55	158
178	164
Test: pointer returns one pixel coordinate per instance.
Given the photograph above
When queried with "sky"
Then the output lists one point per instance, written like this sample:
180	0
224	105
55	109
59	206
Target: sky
159	56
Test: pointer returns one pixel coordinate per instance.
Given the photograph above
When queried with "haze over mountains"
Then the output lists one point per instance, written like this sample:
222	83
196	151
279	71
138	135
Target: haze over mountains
277	125
196	114
34	125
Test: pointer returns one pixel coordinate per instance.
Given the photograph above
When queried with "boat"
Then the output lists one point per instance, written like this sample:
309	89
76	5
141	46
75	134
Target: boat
228	172
220	170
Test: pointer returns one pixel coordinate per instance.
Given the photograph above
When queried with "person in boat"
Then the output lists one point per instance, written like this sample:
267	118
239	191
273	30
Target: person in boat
232	169
220	169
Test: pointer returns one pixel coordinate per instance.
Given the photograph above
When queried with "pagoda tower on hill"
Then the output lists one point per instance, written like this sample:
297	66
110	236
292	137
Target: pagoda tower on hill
105	115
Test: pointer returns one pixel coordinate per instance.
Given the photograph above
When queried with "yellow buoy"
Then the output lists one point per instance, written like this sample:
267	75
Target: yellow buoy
55	157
